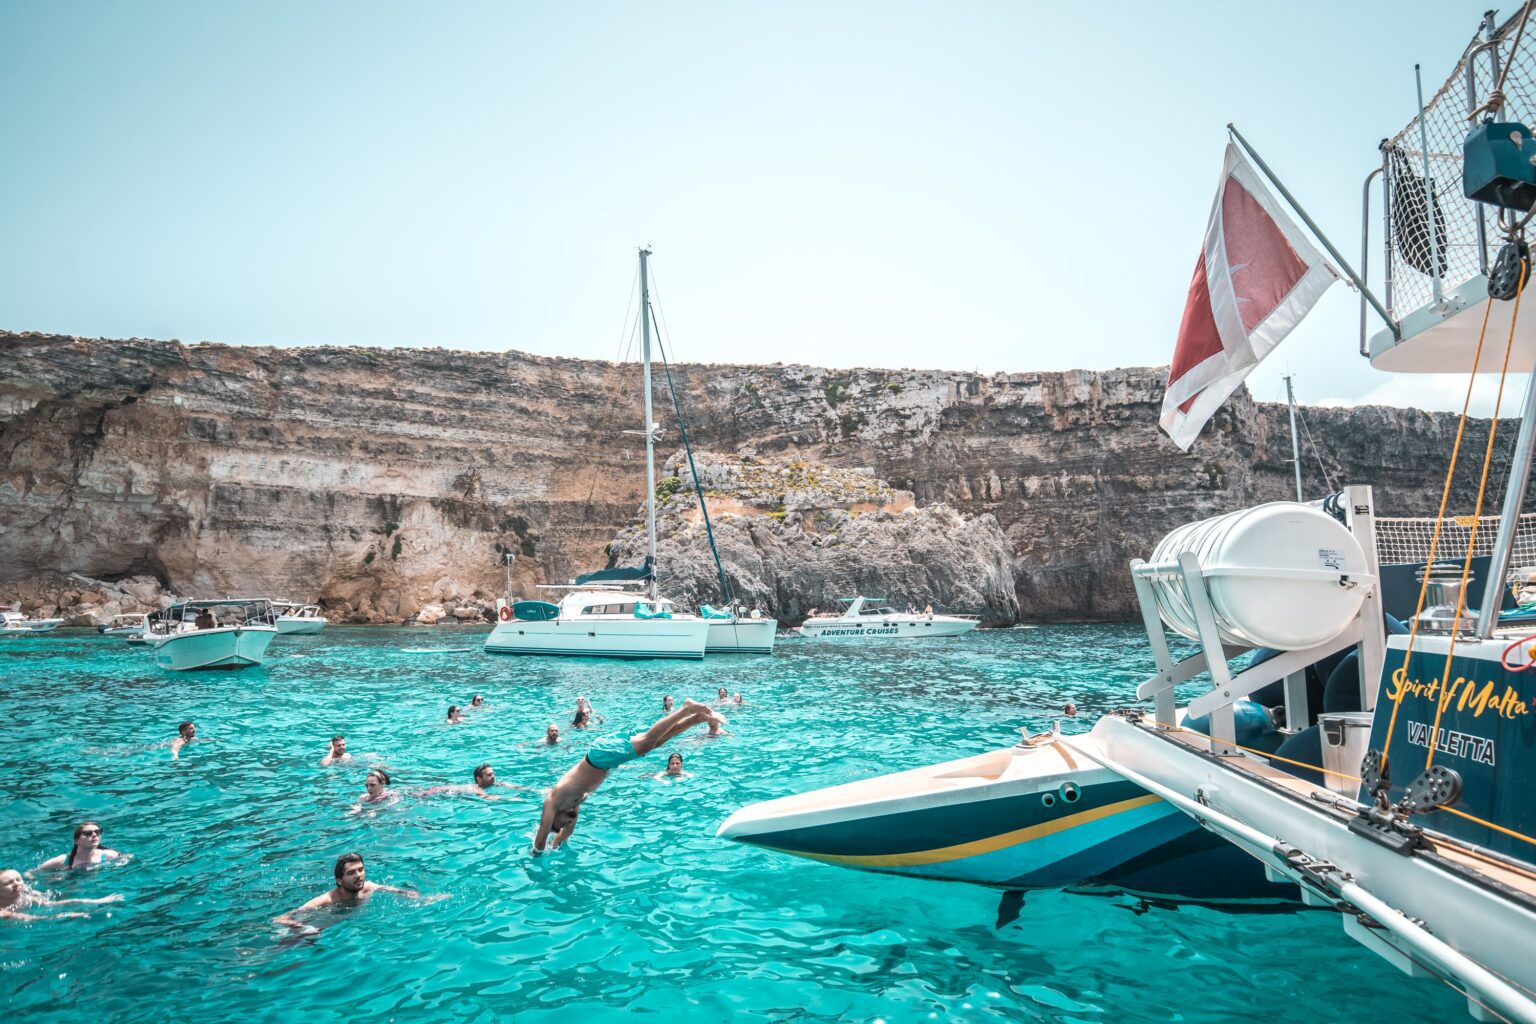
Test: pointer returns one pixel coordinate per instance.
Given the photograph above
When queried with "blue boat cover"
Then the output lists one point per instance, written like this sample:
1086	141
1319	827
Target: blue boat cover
620	575
643	612
707	612
535	611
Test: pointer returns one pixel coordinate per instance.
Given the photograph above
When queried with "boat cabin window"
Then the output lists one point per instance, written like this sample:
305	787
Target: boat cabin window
610	609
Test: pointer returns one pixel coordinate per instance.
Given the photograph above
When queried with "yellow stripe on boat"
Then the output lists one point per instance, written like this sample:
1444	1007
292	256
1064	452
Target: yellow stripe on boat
976	847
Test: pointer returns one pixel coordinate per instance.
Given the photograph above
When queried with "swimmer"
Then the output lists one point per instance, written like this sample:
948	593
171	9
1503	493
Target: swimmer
551	734
1070	710
722	696
375	787
674	768
581	719
16	898
338	752
583	704
476	702
485	781
717	728
562	804
352	888
737	700
186	733
455	716
86	852
666	703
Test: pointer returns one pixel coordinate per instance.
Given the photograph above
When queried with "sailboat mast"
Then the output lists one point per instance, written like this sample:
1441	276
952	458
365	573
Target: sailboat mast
1290	399
650	427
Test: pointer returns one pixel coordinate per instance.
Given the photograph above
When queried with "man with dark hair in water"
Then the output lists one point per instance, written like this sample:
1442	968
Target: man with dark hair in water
352	888
186	733
563	802
485	781
337	753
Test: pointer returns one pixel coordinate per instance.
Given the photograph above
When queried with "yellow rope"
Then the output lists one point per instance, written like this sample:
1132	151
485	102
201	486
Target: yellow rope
1477	512
1434	539
1488	824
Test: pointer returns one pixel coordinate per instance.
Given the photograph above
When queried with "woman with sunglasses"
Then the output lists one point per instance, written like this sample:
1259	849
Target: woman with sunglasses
87	851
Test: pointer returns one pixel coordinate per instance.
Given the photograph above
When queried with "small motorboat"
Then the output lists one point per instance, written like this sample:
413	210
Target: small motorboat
871	618
124	626
301	619
192	635
17	624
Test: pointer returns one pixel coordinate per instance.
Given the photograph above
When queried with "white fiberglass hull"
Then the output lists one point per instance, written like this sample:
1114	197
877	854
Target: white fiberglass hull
226	647
123	631
1486	925
31	627
297	625
917	628
741	636
601	637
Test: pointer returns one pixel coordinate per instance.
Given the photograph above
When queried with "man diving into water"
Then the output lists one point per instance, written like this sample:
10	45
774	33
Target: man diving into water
563	802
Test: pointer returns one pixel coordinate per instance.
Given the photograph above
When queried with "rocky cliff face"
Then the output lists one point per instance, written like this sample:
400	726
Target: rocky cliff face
380	481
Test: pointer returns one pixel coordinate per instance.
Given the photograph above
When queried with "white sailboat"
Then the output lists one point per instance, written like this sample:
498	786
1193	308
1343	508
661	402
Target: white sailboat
612	613
870	618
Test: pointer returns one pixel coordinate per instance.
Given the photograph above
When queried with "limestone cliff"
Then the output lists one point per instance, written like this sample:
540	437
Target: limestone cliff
379	481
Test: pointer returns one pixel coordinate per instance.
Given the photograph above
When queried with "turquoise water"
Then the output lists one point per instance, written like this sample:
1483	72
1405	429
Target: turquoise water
645	912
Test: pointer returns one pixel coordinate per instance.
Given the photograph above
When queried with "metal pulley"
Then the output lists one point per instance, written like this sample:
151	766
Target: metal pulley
1511	270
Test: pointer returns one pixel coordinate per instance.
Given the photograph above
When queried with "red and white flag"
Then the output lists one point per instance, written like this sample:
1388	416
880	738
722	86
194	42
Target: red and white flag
1257	277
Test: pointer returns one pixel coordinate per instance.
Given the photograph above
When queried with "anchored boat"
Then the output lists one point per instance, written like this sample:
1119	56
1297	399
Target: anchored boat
298	619
611	613
229	634
17	624
871	618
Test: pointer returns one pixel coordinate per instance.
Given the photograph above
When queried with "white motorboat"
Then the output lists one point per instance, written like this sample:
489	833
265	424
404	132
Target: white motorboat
871	618
227	634
124	626
300	619
17	624
611	613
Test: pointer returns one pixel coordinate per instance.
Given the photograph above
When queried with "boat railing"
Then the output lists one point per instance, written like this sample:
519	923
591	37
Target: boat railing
1213	655
1437	240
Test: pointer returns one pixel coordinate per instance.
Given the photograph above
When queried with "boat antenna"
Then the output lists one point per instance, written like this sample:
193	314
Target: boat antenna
508	557
650	426
698	489
1290	398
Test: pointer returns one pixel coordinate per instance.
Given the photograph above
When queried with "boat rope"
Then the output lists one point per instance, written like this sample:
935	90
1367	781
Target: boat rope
698	490
1477	512
1268	756
1327	477
1495	101
1434	538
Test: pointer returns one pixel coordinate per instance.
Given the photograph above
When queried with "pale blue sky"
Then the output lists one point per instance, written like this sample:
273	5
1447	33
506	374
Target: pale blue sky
994	186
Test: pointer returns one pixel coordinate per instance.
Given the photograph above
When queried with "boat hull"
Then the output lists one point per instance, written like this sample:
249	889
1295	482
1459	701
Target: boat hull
1020	818
920	629
616	637
741	636
293	625
232	647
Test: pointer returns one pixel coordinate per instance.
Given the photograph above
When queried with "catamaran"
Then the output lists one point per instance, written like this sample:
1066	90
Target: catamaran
871	618
611	613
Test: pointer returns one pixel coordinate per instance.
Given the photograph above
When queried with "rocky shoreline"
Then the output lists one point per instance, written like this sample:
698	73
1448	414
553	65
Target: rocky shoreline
392	485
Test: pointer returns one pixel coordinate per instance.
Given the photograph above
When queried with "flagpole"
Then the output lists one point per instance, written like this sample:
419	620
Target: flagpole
1349	271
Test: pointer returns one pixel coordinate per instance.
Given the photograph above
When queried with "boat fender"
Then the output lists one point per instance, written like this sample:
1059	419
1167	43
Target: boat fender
504	614
1343	690
1254	725
1306	747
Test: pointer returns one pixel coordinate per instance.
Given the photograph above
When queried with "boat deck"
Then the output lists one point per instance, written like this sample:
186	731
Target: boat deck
1508	873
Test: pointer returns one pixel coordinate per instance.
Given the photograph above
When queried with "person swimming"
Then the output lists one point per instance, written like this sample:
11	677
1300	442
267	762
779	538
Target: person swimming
666	703
562	803
375	787
551	734
484	781
476	702
716	728
16	898
582	718
87	851
674	769
722	696
337	753
352	888
186	733
455	716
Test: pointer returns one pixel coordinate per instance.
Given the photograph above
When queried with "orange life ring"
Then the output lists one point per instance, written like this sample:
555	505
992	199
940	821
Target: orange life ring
505	615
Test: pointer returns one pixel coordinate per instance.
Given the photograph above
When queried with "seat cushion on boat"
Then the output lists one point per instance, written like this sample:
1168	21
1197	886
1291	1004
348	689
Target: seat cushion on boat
1343	690
1306	747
